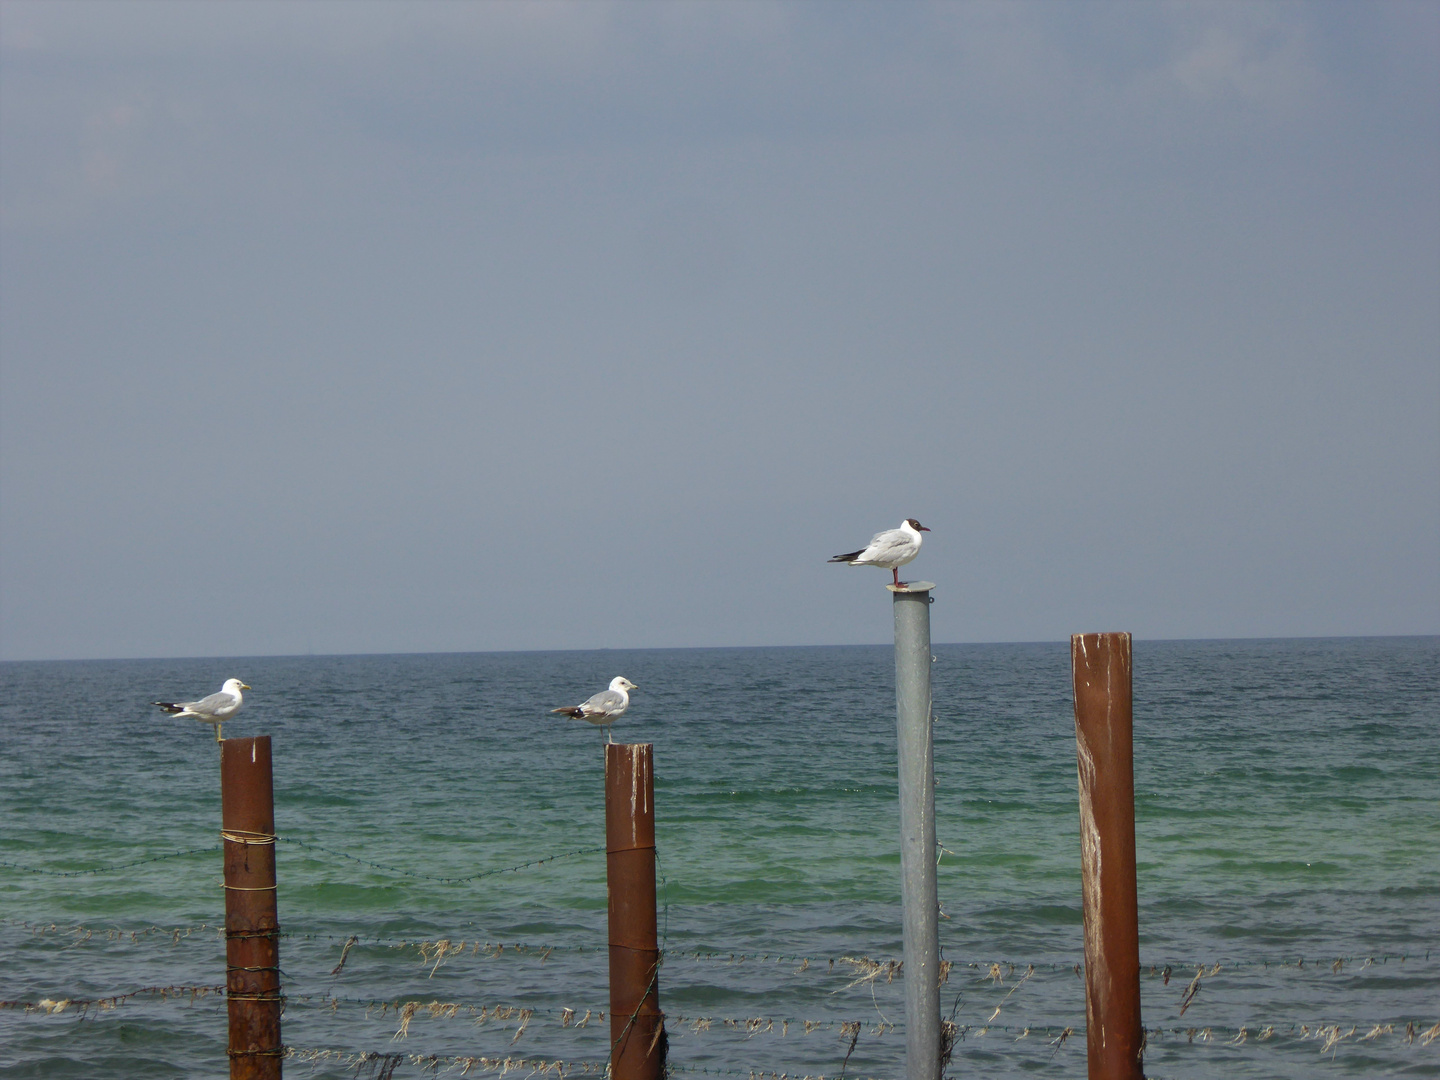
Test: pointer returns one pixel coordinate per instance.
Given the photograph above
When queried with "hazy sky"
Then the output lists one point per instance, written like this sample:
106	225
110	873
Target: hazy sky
468	326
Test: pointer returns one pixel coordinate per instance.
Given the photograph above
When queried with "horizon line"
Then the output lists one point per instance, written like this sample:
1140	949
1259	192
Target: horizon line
688	648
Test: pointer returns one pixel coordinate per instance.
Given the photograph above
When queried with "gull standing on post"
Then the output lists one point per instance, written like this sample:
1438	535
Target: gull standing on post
890	549
215	709
605	707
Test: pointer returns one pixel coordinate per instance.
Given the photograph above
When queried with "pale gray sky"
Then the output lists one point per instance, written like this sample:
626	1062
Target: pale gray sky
407	327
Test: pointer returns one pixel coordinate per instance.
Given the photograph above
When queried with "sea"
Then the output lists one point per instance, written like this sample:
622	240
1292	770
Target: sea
442	877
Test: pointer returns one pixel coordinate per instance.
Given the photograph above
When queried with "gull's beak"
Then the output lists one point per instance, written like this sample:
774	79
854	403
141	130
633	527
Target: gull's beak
922	529
244	687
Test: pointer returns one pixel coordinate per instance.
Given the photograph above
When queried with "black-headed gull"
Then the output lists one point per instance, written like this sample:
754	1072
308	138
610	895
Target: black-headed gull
605	707
215	709
890	549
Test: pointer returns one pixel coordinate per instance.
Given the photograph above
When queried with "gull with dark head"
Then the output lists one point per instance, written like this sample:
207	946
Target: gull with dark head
215	709
605	707
890	549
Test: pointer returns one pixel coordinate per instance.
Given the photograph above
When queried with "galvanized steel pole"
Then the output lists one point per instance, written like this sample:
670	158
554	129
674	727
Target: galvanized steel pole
916	751
637	1027
252	930
1105	756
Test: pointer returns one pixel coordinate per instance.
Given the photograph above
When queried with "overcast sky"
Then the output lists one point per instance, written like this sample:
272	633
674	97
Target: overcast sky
417	327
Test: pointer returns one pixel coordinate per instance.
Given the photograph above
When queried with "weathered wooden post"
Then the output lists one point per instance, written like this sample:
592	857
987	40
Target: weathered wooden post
252	930
1105	755
637	1026
915	746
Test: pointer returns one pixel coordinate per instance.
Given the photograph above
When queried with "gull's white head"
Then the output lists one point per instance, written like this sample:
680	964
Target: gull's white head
234	686
619	682
914	525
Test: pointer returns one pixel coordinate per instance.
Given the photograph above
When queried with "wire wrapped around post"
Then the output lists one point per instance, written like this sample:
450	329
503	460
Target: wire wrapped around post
252	928
637	1027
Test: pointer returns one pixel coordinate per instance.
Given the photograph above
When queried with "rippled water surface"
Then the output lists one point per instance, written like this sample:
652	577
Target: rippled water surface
1288	824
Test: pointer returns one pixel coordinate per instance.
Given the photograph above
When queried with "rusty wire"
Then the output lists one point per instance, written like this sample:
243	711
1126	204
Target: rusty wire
1328	1034
1319	965
54	1006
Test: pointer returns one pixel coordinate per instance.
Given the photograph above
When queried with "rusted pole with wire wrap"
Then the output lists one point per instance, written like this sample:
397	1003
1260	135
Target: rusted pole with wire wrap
252	930
1105	756
637	1027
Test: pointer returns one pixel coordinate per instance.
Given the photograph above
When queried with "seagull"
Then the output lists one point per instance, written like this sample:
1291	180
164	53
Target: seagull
605	707
215	709
890	549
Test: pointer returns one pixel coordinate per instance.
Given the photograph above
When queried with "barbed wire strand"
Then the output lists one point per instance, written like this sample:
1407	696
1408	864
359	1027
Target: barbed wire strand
435	877
1320	965
308	845
864	969
111	868
504	1065
406	1009
1055	1038
55	1006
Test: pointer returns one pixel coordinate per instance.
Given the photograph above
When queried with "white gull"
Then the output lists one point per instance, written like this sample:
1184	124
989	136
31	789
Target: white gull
605	707
215	709
890	549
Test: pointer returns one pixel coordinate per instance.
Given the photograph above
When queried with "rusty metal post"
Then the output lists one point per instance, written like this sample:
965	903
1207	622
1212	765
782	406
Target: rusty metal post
1105	755
252	931
637	1026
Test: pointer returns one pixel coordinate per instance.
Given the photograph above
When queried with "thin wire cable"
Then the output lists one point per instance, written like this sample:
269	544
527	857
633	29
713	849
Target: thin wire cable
435	877
1318	965
1411	1032
108	869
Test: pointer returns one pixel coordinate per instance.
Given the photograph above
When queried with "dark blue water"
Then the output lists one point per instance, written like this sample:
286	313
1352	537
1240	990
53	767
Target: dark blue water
1288	824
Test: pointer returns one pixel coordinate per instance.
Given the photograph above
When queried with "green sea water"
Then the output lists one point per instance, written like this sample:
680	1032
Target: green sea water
1288	825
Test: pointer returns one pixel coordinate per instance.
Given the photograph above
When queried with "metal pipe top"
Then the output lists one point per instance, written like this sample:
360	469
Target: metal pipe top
912	587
